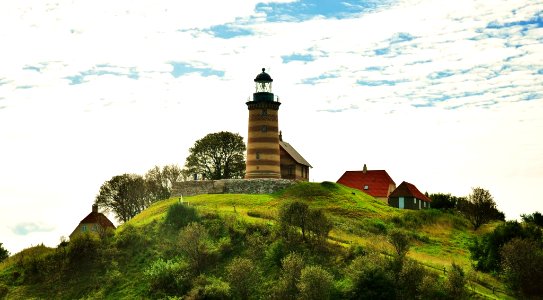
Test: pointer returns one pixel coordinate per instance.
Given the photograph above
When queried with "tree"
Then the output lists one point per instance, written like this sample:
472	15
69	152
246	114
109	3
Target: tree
125	195
534	218
294	214
4	253
218	155
172	173
480	207
444	201
157	184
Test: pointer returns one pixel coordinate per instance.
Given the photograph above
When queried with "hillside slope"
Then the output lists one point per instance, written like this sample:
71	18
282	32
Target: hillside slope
126	264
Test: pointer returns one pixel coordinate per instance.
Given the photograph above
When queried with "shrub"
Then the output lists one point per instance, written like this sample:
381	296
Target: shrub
167	277
180	215
522	263
83	248
209	288
410	280
401	242
486	250
291	269
243	277
456	283
315	283
195	244
275	252
3	291
130	237
370	278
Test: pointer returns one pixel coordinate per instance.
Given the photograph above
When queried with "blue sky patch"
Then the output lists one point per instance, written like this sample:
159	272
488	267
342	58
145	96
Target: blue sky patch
32	68
532	96
378	82
297	57
441	74
427	104
103	69
29	227
535	21
382	51
401	37
308	9
181	68
540	71
227	31
315	80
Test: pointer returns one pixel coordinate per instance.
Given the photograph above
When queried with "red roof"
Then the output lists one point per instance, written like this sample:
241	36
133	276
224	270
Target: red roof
406	189
376	181
97	218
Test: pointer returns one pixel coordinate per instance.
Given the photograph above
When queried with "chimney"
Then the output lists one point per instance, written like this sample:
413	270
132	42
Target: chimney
365	169
280	136
95	208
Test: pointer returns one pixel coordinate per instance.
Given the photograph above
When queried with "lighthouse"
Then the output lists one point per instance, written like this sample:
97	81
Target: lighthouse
263	154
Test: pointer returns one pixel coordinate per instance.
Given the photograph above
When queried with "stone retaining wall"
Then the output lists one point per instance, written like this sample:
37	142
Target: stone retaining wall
230	186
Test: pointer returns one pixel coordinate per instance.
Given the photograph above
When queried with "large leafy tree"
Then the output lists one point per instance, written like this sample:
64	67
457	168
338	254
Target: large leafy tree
157	184
218	155
125	195
480	208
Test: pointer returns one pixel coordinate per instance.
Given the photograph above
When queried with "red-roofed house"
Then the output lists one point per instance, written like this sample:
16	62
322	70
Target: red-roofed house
407	196
376	183
95	223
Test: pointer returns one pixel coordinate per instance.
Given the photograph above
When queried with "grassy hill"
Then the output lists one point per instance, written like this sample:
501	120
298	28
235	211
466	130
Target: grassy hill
122	265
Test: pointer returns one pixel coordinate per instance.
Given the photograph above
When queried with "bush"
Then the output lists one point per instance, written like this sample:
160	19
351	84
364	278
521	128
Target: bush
410	280
486	250
195	244
180	215
370	278
291	269
522	263
456	283
130	237
315	283
83	248
210	288
243	277
167	277
401	242
275	252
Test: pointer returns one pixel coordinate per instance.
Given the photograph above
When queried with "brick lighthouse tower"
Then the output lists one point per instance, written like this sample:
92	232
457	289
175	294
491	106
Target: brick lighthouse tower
263	156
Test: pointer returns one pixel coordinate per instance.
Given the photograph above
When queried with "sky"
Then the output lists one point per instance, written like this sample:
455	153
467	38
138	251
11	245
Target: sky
447	95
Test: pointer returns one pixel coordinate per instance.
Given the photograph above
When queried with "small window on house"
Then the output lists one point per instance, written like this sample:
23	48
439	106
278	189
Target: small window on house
264	112
84	228
264	128
424	204
290	170
366	187
258	155
415	200
94	228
